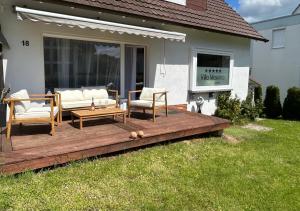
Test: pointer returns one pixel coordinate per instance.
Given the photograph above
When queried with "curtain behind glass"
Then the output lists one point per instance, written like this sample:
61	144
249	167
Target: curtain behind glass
77	63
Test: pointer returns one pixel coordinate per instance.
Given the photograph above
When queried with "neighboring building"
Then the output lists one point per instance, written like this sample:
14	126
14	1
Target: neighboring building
192	48
278	61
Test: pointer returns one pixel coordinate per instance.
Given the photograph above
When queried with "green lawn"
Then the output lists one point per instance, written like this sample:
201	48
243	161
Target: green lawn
261	172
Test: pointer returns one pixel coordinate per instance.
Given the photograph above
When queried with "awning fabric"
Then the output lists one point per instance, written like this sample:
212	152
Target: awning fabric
72	21
3	41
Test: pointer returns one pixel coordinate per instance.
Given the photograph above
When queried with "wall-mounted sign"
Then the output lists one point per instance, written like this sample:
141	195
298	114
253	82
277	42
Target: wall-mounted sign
212	76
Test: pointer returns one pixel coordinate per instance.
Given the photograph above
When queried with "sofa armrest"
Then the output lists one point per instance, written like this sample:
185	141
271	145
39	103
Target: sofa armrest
115	93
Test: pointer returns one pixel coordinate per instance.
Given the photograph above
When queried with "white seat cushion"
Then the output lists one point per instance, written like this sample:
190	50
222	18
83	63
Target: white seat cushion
145	103
37	112
76	104
87	103
21	106
147	94
70	94
98	92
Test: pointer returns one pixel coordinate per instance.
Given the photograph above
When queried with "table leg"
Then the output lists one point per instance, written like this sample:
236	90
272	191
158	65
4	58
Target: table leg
80	123
124	117
72	116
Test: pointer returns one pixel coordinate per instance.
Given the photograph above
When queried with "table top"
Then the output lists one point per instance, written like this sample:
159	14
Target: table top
97	111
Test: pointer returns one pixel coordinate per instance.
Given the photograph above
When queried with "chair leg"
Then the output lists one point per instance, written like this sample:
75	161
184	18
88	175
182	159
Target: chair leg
144	110
166	111
60	116
129	112
52	127
8	131
153	114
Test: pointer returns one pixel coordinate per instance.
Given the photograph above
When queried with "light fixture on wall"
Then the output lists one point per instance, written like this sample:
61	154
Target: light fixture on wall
143	20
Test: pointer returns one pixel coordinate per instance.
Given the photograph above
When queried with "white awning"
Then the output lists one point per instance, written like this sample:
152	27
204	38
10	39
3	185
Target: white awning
72	21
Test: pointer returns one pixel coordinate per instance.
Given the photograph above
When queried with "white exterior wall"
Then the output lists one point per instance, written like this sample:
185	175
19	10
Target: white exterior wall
167	63
280	67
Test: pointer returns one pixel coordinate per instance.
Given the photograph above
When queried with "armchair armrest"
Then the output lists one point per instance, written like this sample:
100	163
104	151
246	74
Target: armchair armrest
161	93
131	92
28	99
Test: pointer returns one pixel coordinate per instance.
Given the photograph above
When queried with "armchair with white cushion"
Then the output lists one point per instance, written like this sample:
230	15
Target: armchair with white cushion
150	98
22	109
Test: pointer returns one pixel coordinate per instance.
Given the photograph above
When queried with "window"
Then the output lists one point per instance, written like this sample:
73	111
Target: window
278	38
211	70
76	63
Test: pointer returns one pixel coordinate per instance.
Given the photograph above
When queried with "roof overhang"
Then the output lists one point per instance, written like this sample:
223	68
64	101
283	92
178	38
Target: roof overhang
81	22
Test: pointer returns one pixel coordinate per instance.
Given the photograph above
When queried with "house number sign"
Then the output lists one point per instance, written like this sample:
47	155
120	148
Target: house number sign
25	43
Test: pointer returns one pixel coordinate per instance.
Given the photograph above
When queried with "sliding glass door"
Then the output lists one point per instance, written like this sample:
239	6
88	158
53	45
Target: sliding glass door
134	68
75	63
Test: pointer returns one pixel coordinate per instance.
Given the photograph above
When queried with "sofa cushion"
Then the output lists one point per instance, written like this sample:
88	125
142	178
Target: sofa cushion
97	92
70	94
37	112
87	103
76	104
21	106
145	103
147	94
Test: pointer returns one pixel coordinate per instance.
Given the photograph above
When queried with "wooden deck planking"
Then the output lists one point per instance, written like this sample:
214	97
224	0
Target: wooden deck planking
37	150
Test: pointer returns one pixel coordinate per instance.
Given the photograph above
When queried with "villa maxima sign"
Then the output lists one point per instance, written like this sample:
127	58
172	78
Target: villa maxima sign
212	76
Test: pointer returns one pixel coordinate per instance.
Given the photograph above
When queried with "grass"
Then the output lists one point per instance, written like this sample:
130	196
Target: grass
261	172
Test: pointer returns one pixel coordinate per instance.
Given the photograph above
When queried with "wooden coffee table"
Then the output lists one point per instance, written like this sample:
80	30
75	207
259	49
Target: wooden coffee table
88	114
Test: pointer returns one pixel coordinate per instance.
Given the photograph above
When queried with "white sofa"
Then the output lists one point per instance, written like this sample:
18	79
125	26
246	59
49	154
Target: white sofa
76	98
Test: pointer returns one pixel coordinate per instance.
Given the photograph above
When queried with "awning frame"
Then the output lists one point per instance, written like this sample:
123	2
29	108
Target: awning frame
81	22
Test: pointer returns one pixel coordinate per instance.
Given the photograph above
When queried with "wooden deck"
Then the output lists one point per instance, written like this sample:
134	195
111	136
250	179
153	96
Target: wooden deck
32	147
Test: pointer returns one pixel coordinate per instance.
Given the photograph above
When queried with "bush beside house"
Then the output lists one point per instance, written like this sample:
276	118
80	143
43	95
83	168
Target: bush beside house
258	100
291	105
228	108
235	110
272	105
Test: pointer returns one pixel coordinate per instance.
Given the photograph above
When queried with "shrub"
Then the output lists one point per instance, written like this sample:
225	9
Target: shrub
228	108
257	93
272	103
258	101
291	105
249	110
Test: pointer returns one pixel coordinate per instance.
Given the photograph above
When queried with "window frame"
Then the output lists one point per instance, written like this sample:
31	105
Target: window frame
193	70
284	38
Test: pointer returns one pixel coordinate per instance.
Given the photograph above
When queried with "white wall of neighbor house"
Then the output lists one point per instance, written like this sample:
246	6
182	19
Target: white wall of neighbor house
278	66
168	64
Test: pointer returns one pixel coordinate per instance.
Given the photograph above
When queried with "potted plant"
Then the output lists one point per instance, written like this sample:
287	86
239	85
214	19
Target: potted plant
3	107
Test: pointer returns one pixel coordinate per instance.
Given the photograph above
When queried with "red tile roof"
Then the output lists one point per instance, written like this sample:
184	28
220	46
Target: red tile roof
219	16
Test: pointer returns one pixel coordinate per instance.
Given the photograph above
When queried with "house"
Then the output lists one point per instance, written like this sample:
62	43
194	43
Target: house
193	48
277	62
